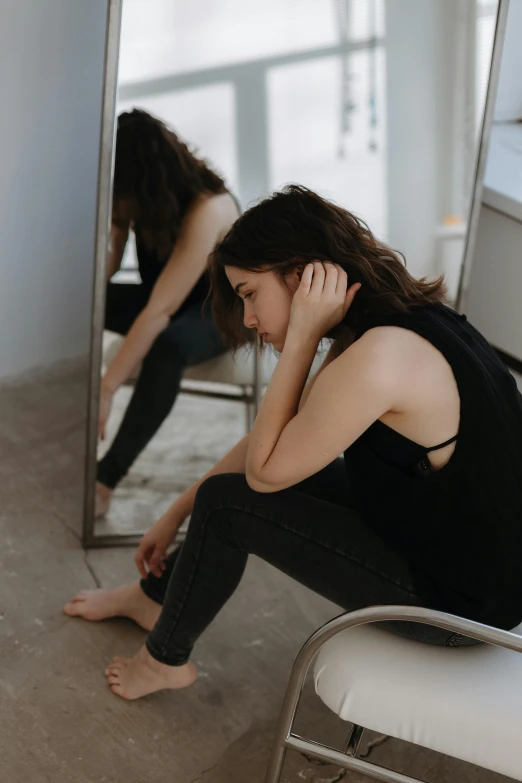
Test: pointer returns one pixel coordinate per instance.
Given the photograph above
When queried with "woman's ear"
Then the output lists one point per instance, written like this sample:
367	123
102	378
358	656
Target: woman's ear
294	278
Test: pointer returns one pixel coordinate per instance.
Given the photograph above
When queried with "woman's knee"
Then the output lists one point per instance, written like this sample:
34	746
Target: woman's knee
217	507
218	491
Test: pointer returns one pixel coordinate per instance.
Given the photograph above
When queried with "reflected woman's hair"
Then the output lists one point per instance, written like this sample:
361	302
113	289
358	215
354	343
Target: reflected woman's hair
294	226
156	178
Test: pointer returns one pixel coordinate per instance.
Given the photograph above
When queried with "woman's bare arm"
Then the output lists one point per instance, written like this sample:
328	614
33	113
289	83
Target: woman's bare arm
235	460
334	351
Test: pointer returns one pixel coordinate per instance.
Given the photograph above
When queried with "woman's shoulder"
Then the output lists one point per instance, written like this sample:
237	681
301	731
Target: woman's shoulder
217	209
382	338
222	203
396	365
391	352
417	326
211	213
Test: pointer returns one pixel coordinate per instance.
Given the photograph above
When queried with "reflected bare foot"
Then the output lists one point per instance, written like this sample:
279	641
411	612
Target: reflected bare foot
102	500
124	601
132	678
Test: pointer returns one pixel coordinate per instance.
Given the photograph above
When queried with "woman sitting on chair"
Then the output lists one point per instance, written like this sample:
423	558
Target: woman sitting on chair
178	209
425	509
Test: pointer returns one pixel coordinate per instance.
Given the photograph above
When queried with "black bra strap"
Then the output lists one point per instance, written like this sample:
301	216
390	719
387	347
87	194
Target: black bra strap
446	443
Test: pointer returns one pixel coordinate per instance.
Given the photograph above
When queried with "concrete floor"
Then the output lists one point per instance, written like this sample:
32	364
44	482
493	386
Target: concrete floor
58	720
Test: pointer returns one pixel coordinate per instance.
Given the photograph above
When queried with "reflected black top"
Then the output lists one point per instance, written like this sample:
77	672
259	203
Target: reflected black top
460	527
151	265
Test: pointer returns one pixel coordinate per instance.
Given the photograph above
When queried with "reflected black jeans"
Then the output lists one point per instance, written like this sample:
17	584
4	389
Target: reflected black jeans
309	532
190	338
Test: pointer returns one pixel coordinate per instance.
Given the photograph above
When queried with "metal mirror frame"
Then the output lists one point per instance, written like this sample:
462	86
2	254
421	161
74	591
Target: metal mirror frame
103	221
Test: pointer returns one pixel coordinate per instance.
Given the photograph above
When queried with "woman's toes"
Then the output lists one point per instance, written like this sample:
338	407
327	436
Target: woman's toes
118	691
120	661
71	606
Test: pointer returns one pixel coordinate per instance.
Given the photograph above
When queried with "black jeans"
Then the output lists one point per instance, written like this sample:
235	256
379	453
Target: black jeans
190	338
308	531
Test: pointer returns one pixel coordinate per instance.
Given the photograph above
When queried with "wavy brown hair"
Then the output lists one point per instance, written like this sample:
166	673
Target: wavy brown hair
294	226
156	178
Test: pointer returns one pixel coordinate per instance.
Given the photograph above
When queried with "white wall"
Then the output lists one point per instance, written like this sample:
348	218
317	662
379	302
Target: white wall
52	56
425	177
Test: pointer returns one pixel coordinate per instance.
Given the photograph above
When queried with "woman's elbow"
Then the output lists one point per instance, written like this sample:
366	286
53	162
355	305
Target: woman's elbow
257	485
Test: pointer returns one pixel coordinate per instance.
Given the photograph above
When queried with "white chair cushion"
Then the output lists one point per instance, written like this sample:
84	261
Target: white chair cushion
238	370
465	702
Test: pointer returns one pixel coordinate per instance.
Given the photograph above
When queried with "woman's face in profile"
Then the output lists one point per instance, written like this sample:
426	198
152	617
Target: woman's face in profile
266	301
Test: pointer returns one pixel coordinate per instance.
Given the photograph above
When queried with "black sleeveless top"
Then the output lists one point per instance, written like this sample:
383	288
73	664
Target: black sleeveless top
460	527
151	265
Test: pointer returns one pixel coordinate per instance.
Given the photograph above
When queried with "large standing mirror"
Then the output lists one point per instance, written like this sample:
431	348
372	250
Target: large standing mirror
333	95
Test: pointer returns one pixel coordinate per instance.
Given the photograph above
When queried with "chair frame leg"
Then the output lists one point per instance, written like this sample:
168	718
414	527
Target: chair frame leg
351	747
253	400
251	413
284	735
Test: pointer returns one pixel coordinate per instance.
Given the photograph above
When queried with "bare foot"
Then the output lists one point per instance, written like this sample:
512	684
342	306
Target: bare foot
132	678
124	601
102	500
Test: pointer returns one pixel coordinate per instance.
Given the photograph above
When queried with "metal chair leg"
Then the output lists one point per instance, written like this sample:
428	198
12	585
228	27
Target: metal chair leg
286	721
354	740
254	400
250	413
257	376
288	712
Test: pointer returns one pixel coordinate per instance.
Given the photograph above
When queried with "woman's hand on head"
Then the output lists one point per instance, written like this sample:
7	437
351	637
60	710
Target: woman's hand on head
321	301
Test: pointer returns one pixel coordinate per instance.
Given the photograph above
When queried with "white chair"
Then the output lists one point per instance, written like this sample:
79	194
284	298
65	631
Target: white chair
465	702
